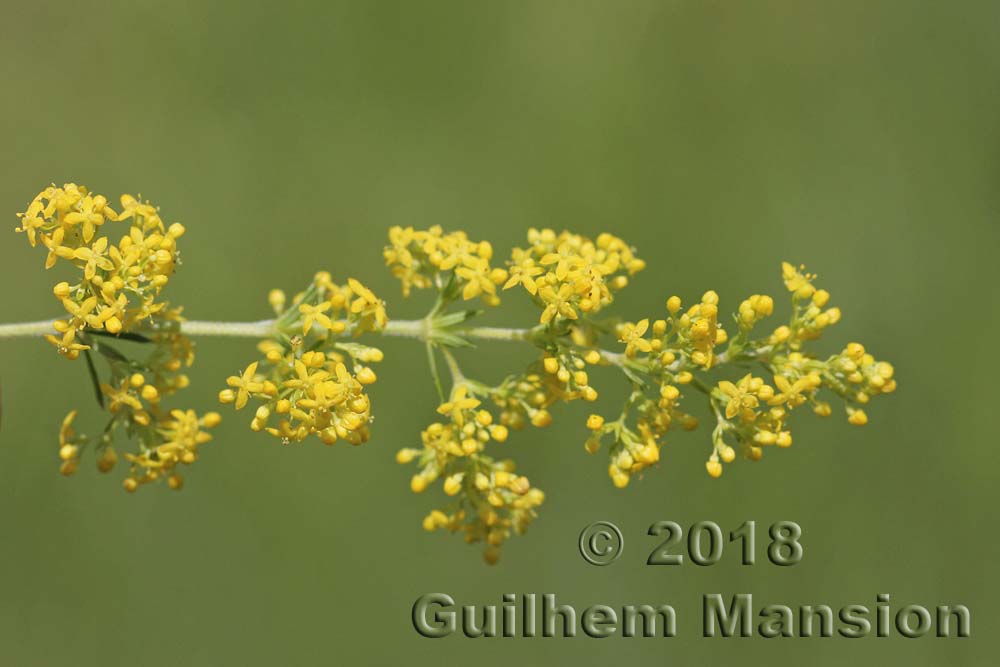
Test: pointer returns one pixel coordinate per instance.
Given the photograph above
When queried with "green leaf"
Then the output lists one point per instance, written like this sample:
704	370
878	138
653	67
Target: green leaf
432	361
450	339
451	319
92	371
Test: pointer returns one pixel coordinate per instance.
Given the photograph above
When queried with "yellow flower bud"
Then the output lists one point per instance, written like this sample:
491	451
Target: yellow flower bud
669	392
277	299
107	460
541	418
453	484
822	409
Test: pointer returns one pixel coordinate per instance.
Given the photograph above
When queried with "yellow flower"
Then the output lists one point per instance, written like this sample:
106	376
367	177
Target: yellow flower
367	303
797	281
565	259
94	257
458	404
742	400
558	303
54	243
245	385
67	434
523	271
791	393
66	345
89	214
132	207
32	221
82	312
317	314
632	336
121	396
476	273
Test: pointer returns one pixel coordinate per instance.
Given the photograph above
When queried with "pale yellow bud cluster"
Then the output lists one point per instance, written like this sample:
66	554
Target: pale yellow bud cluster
857	376
490	503
466	433
755	414
698	330
569	370
754	309
632	451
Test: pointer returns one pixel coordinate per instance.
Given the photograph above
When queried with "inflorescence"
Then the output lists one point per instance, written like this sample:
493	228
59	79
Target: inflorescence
312	370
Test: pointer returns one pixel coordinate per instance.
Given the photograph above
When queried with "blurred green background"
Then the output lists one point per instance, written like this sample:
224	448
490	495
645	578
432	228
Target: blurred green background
719	137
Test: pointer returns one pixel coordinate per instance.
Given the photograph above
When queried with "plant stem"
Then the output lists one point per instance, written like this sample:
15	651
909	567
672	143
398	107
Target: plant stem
26	329
495	333
263	328
456	373
258	329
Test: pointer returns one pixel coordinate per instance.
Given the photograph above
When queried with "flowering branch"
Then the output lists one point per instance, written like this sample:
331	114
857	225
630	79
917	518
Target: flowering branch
264	328
310	377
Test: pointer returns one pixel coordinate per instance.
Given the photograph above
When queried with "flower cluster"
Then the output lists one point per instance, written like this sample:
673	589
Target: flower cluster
114	295
809	317
302	386
489	501
419	258
750	413
568	274
571	278
134	397
119	283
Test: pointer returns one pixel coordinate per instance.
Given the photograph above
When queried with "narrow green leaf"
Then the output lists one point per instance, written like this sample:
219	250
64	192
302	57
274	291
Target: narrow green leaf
92	371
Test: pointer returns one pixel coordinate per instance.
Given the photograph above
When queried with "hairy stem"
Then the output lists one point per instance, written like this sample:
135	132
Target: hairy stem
263	328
